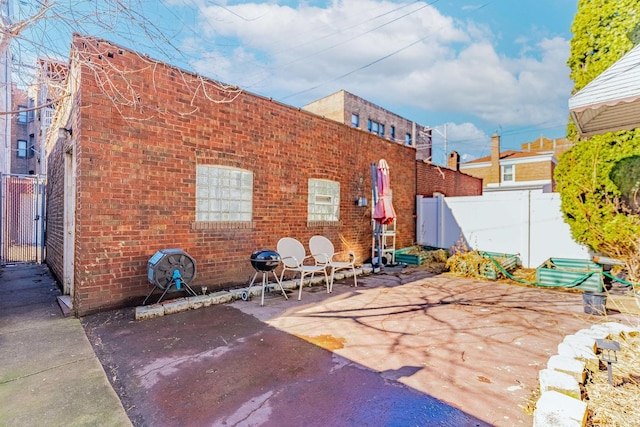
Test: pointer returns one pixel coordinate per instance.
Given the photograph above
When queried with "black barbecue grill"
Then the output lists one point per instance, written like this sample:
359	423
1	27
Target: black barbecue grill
264	261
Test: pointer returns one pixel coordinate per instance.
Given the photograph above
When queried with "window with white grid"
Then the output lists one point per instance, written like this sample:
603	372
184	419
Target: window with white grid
508	173
324	200
223	194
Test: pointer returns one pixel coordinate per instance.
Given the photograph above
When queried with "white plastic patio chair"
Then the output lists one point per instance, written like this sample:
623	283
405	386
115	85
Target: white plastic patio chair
293	257
323	252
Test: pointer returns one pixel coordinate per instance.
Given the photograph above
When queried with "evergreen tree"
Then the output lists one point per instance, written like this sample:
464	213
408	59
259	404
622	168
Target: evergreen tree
601	30
595	207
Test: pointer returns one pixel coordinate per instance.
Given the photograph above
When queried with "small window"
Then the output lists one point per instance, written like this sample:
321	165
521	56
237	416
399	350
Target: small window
375	127
407	139
508	173
22	114
22	148
355	120
223	194
31	112
47	116
32	145
392	132
324	200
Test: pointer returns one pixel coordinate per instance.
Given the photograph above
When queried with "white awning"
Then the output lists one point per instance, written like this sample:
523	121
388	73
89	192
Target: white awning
610	102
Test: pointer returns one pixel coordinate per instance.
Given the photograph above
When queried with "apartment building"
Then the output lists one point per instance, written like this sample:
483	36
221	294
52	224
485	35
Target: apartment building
46	92
349	109
23	158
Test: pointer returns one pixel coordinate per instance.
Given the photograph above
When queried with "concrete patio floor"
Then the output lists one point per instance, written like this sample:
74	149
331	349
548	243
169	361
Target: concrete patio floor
403	348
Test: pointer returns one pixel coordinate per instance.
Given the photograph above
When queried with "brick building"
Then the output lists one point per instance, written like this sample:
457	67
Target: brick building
189	163
47	91
34	109
433	179
349	109
543	144
23	154
531	168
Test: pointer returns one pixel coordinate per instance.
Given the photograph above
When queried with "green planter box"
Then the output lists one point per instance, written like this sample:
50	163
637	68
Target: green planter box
507	261
580	274
402	255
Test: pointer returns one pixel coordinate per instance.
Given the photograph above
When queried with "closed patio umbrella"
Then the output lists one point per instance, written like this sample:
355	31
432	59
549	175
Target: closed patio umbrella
383	211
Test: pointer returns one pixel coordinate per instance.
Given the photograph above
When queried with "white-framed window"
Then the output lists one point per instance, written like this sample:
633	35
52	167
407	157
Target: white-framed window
407	139
223	194
324	200
22	148
355	120
46	117
393	133
508	173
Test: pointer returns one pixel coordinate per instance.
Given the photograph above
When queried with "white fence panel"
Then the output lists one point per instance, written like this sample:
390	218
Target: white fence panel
427	230
527	223
550	235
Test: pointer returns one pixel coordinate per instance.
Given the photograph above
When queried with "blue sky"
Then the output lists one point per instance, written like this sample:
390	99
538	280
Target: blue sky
477	66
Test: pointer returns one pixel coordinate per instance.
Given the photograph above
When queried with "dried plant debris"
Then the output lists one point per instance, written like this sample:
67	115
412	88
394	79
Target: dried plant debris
428	255
473	264
616	405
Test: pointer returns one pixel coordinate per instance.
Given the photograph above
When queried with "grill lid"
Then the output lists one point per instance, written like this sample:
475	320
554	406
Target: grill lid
265	260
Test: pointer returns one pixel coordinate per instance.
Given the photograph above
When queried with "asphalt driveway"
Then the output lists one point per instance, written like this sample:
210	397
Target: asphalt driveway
401	349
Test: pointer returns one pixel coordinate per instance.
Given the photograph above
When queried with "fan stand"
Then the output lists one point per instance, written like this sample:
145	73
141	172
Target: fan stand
176	280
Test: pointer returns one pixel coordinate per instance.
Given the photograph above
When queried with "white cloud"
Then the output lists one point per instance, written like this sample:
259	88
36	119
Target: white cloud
423	60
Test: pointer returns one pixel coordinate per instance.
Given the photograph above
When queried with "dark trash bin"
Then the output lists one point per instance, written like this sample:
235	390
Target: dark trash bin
595	303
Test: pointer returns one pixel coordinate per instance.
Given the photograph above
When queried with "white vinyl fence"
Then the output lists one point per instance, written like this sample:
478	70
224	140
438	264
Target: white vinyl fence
528	223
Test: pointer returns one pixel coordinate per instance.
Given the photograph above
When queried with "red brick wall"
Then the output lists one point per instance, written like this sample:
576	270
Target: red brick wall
437	179
55	212
136	177
62	151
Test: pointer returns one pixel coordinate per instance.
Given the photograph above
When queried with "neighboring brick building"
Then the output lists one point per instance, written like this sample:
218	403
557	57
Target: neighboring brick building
352	110
47	92
433	179
23	158
34	109
517	170
542	144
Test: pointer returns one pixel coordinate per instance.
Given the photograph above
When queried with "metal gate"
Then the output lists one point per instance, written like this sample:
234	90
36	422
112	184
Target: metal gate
22	223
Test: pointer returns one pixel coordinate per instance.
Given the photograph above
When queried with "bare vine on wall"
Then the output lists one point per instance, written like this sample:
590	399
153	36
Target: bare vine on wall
36	37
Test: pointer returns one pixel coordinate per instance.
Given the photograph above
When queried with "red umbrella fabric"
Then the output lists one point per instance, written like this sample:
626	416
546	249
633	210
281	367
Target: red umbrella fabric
383	211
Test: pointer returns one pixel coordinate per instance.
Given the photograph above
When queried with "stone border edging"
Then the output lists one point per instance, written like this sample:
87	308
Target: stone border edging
560	402
221	297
